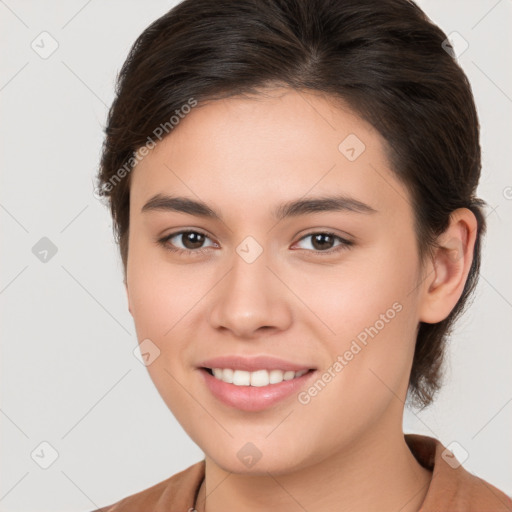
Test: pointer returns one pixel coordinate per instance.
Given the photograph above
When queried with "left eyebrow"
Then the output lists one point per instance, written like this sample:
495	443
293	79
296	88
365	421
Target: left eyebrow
341	203
337	203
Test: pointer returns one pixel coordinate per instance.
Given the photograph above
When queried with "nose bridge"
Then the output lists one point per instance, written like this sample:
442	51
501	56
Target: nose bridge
248	297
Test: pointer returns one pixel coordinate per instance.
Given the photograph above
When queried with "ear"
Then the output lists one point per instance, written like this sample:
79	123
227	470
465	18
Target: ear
447	272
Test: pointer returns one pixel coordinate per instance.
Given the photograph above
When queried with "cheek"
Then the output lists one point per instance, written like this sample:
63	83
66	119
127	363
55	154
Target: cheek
353	295
368	317
160	293
161	296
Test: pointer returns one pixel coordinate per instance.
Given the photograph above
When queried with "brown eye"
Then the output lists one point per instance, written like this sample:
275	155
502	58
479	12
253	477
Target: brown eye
322	241
192	239
191	242
325	242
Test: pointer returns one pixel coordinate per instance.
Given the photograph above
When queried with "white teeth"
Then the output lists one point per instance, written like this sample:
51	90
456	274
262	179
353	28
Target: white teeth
241	378
258	378
227	375
275	376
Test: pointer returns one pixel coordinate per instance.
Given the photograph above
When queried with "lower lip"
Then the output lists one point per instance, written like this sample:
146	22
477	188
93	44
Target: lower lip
252	398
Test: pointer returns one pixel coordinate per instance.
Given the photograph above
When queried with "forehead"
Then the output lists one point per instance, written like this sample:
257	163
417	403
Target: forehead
266	149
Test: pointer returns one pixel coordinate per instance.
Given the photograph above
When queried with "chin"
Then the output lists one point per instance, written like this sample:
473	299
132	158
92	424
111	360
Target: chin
251	461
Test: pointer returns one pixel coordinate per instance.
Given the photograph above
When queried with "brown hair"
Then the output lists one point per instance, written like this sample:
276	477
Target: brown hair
384	58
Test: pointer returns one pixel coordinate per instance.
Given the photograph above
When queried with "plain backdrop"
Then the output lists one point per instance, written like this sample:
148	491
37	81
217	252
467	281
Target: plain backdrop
73	395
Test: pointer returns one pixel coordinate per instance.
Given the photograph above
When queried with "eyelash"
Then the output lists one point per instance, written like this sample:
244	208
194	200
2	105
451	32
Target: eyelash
164	242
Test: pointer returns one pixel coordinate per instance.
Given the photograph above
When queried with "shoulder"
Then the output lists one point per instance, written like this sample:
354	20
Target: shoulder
178	491
452	486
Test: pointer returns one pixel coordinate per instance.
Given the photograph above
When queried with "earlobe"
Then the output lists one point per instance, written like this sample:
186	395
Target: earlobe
450	267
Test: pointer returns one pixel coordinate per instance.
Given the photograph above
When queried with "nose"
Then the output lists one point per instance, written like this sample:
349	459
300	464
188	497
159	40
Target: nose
250	300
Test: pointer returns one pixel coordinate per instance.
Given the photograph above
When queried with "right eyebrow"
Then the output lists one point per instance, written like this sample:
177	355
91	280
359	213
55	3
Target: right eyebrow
160	202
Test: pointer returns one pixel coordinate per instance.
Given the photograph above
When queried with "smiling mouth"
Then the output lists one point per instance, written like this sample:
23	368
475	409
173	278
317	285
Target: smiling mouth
258	378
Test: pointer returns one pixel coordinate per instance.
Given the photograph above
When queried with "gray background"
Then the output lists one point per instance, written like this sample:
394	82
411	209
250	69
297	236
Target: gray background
69	375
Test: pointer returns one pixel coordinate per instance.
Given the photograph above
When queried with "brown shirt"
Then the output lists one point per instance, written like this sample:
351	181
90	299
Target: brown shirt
452	489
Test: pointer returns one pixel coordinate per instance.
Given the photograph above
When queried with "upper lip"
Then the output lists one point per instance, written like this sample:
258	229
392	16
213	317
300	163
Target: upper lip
251	364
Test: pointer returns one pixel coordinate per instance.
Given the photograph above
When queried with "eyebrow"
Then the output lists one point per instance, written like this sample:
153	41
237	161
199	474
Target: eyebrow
338	203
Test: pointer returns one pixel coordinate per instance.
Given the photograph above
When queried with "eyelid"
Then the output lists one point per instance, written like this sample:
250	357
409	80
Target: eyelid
327	231
165	239
345	243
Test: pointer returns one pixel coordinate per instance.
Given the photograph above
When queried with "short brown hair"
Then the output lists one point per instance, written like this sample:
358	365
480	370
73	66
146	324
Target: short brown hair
384	58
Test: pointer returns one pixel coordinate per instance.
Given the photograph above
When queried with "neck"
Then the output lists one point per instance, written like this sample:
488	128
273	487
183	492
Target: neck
377	472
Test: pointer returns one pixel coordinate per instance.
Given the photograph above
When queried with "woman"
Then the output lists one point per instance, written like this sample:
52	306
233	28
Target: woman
292	184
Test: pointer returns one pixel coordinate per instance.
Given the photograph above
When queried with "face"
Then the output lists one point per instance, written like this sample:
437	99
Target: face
325	286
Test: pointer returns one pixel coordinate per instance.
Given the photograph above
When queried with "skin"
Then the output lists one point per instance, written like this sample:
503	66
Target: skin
344	450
